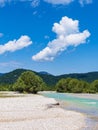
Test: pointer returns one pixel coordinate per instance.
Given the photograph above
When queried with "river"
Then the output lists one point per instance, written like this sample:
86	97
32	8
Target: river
86	104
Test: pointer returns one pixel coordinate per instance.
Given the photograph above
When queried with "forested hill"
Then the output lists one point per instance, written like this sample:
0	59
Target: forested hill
89	77
50	80
11	77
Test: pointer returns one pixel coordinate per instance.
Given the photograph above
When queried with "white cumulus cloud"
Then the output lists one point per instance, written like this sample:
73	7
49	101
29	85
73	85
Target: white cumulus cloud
68	34
14	45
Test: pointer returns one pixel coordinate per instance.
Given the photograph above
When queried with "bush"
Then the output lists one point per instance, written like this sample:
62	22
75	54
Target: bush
29	82
72	85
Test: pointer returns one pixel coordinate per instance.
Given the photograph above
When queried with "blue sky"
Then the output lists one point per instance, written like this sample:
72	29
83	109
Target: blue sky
57	36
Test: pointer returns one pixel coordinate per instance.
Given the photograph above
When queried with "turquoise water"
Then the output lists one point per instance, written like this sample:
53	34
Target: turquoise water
85	105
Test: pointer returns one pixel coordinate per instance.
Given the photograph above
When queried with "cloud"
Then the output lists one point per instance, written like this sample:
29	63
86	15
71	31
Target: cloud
46	37
1	35
3	2
35	3
66	2
56	2
82	2
35	12
68	34
11	64
14	45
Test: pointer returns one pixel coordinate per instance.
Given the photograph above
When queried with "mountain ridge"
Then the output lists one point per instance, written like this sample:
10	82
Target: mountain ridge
49	79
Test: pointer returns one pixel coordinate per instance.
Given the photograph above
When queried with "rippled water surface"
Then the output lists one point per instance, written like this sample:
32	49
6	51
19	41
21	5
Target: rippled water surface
89	106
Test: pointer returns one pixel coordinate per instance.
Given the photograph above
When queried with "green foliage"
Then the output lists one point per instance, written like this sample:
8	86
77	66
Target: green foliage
50	80
5	87
76	86
88	77
11	77
29	82
62	85
94	86
76	83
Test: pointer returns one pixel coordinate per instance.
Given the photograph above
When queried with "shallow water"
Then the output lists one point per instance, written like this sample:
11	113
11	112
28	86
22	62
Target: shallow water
84	105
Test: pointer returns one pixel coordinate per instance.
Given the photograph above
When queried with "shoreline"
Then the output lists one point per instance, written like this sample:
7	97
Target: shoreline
81	95
91	120
86	95
37	112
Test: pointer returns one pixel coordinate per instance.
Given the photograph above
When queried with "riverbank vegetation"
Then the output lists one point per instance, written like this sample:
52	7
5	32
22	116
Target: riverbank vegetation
27	81
72	85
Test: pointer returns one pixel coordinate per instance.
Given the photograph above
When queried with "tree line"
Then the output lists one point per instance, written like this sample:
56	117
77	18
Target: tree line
29	82
72	85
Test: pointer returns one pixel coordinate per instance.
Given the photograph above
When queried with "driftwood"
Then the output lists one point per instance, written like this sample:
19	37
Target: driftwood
53	105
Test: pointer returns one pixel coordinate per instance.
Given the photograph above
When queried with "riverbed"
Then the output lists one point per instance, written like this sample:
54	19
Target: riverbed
84	103
36	112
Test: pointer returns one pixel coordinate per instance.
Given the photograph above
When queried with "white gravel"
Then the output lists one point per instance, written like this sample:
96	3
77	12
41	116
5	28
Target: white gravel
34	112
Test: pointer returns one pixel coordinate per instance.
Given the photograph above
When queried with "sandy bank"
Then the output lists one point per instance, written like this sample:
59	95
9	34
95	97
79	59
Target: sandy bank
34	112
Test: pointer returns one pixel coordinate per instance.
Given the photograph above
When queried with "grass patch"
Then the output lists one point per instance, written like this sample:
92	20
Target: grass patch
10	94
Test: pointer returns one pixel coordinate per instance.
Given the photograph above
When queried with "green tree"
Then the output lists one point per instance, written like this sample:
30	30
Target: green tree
85	86
72	85
29	82
5	87
62	85
94	86
80	86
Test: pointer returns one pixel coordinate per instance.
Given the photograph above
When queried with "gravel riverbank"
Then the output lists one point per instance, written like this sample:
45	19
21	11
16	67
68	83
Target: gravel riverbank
35	112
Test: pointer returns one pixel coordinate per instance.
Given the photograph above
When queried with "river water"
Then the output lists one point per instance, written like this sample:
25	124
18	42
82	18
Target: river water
85	105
